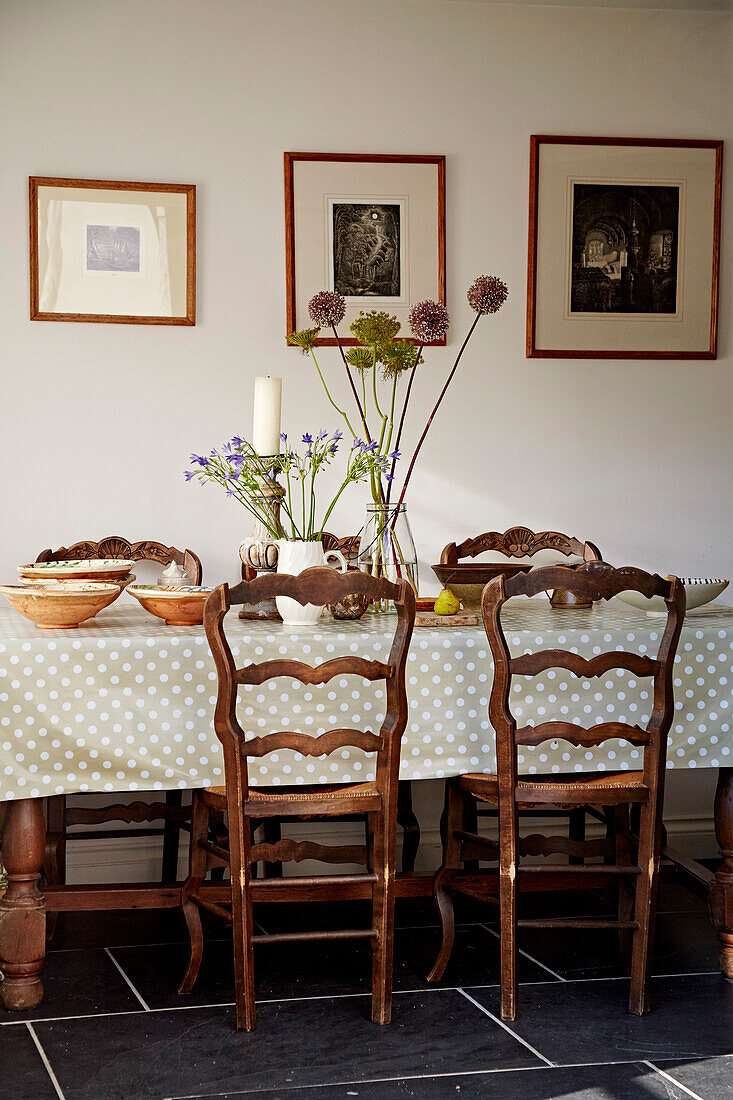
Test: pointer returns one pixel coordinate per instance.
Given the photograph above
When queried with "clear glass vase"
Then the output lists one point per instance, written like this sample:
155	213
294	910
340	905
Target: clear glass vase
387	548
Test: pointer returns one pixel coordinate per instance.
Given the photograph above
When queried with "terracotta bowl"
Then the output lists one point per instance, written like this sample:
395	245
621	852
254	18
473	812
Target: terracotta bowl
52	582
467	579
62	606
89	569
182	606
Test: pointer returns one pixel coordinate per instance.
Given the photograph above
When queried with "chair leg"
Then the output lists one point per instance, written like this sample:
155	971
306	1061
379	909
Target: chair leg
384	844
197	867
54	859
407	820
624	857
576	830
171	840
508	830
242	920
645	909
453	816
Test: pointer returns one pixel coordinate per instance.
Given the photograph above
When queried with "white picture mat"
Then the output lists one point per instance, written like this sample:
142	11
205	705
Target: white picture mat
560	165
158	290
314	182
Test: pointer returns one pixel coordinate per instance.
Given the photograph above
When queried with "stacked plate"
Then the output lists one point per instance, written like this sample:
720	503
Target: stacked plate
62	594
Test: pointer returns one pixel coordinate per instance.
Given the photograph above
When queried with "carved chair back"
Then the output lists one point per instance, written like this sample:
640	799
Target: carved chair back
116	547
349	546
519	542
319	585
594	581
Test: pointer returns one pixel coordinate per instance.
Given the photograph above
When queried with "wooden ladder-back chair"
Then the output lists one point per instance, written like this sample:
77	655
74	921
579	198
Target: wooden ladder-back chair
60	816
241	803
622	789
521	542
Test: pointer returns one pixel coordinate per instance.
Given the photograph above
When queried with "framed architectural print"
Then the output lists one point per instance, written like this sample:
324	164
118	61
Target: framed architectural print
370	226
624	248
114	252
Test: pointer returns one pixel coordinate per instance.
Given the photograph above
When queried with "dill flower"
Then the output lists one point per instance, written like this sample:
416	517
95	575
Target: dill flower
487	294
327	308
305	339
399	356
361	358
429	321
375	329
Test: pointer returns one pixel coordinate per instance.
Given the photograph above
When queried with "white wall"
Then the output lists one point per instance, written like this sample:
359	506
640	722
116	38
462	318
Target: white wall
97	421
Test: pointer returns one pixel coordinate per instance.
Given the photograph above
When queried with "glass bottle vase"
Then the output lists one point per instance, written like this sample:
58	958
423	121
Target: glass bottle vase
387	548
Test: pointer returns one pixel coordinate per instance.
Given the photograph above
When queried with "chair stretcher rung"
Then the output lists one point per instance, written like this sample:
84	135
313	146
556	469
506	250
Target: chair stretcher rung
296	937
580	922
579	869
310	880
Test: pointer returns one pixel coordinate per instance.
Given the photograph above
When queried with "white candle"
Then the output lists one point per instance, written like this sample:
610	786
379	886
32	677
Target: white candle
266	416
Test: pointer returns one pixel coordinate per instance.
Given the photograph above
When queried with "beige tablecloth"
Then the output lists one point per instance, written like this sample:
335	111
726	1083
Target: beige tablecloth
125	703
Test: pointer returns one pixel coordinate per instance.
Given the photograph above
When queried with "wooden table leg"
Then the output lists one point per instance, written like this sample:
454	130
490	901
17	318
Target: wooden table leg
22	907
721	888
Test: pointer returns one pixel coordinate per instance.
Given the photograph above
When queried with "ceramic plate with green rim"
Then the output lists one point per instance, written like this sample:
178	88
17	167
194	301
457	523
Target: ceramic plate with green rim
79	569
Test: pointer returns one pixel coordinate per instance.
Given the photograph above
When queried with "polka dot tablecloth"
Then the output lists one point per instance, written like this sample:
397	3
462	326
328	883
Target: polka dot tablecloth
125	703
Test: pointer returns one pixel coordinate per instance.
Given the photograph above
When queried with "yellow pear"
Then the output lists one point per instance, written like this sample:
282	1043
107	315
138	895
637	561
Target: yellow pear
446	603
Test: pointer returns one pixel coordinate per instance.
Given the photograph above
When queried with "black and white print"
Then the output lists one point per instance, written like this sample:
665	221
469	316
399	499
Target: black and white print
113	248
625	240
366	249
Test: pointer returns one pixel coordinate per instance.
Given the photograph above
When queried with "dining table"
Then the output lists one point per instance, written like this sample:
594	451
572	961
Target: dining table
124	703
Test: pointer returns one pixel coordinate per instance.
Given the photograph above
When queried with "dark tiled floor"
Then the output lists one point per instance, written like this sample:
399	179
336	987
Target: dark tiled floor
113	1026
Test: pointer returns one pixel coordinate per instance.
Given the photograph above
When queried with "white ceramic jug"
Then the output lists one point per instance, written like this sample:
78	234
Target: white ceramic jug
293	558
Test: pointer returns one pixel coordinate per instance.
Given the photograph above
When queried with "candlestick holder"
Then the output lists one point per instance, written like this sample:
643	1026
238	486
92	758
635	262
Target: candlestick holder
259	551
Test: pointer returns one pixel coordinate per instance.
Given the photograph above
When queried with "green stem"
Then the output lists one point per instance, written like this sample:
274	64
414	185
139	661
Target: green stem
328	395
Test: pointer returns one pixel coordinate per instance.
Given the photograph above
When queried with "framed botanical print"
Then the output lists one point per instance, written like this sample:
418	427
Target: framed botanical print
624	248
370	226
112	252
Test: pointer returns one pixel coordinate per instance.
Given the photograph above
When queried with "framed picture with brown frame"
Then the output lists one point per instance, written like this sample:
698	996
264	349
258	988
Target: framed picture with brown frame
370	226
107	251
624	248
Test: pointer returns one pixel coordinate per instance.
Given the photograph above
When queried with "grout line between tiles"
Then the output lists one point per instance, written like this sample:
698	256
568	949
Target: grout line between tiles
109	954
672	1080
506	1028
527	955
46	1063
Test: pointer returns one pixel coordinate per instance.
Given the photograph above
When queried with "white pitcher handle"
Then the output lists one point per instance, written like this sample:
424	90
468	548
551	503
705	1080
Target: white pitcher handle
340	556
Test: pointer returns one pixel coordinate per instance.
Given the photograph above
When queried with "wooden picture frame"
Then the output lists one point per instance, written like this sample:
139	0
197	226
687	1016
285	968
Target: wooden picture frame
642	289
149	263
405	192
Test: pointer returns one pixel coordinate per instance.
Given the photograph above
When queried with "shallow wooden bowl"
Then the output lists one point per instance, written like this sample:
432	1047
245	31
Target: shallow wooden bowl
467	579
60	606
182	606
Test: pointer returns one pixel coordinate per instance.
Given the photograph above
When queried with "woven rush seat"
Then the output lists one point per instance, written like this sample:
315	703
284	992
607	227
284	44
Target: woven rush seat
600	790
309	800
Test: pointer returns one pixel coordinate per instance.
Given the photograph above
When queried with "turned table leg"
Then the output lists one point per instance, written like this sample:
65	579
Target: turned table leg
22	908
721	888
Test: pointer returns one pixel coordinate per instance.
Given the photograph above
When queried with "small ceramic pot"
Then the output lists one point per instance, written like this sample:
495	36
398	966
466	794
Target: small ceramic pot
351	607
293	558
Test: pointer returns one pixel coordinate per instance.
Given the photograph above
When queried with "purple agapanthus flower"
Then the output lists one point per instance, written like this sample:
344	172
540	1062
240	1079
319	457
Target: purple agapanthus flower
189	475
307	438
199	460
358	444
337	435
237	441
284	436
396	455
322	434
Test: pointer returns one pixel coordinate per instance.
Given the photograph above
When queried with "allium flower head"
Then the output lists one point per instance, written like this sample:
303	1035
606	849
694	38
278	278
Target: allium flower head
428	321
487	294
327	308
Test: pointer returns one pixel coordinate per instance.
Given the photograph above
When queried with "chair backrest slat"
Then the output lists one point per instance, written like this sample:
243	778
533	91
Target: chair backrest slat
530	664
313	674
519	542
116	547
307	745
580	735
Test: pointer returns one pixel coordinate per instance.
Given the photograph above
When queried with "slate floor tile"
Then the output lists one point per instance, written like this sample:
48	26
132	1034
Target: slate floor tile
78	983
162	1054
320	969
19	1057
710	1078
629	1081
589	1021
684	942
